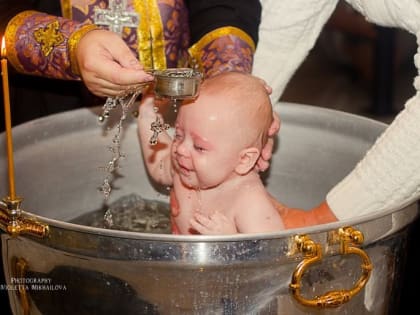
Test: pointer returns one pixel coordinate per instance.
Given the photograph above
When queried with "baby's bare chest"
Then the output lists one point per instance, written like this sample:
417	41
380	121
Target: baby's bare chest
206	202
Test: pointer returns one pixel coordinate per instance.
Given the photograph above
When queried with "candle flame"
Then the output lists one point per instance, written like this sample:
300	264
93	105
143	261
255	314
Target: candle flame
3	47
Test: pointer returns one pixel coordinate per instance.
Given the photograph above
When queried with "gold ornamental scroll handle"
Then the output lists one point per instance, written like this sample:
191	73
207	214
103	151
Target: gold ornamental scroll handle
13	222
348	239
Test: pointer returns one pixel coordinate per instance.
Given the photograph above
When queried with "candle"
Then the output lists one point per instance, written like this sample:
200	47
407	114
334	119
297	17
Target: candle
7	118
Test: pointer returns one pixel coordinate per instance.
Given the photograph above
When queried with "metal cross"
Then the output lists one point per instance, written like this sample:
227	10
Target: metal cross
115	17
157	127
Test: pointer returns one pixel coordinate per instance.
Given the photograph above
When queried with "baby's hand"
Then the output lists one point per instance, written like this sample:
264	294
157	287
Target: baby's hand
214	224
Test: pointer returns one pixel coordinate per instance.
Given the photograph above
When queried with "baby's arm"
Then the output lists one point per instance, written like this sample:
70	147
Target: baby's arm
156	157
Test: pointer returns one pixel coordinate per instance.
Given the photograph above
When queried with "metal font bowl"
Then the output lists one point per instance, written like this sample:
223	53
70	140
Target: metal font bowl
101	271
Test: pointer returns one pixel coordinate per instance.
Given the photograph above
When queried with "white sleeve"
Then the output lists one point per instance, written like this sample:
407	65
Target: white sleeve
288	30
388	177
403	14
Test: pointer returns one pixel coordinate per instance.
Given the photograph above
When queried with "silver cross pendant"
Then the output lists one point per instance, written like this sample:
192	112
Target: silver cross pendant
116	17
157	127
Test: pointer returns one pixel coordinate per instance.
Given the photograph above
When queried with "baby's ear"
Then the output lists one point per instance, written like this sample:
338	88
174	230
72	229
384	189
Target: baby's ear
247	159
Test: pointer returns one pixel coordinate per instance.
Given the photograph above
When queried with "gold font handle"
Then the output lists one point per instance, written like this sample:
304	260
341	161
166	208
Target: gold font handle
348	239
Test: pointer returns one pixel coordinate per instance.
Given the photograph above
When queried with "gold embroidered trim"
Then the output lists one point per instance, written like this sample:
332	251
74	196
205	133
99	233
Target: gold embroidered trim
72	43
10	37
48	37
150	42
66	9
143	34
195	50
158	45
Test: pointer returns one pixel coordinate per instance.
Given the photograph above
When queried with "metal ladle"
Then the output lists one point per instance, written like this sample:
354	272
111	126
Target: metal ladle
176	84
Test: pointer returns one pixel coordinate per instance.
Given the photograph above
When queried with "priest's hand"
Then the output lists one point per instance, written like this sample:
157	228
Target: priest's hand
107	65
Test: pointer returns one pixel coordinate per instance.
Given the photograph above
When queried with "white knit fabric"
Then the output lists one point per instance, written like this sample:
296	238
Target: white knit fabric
288	30
388	177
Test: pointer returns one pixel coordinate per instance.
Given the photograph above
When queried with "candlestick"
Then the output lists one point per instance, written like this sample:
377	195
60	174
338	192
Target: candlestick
8	121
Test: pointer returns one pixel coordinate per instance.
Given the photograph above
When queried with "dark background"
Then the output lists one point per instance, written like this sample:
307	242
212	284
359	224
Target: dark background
33	97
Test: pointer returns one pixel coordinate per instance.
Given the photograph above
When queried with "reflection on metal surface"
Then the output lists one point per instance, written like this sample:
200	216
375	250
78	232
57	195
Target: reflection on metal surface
178	275
347	238
177	83
12	221
20	268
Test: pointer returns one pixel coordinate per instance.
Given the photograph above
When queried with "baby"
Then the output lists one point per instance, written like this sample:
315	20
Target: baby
210	161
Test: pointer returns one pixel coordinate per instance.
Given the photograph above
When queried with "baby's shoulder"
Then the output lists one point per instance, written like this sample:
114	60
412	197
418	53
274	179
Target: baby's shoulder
254	199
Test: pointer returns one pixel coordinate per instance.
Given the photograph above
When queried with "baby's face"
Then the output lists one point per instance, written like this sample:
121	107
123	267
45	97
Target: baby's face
205	150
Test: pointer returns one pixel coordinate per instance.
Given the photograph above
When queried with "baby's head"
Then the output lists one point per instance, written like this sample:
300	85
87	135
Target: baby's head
228	122
244	103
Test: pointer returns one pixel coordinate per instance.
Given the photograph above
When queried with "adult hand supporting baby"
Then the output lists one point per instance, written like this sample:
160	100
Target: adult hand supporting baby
263	162
107	65
296	218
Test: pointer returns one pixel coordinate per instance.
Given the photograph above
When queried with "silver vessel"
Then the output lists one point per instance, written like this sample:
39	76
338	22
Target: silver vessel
347	267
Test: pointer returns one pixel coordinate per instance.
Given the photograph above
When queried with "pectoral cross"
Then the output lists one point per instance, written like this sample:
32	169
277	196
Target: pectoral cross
116	17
